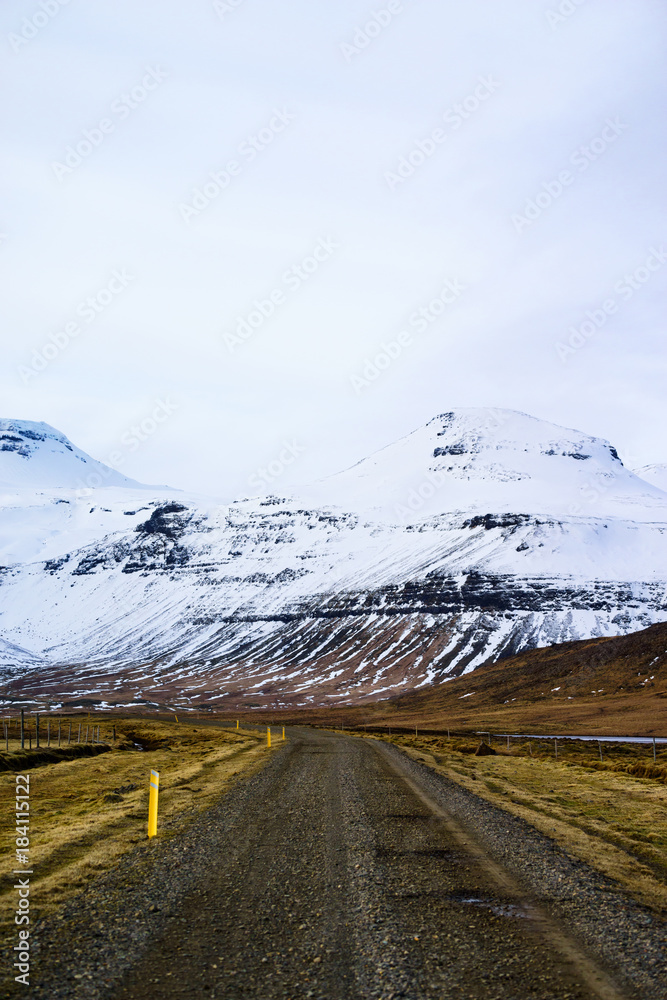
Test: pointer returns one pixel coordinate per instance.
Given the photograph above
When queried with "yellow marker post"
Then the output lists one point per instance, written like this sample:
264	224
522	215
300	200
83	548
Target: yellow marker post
152	803
237	723
268	736
175	716
283	732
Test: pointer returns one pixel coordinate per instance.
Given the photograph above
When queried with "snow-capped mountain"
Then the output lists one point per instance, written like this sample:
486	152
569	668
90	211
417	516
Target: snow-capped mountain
473	459
35	454
55	498
654	474
480	534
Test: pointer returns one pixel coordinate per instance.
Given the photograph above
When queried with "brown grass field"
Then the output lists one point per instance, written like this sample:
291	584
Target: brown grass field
87	811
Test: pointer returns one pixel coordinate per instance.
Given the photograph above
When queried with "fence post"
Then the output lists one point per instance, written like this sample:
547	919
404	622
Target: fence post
508	742
600	749
654	749
79	737
556	746
152	803
37	731
48	732
22	731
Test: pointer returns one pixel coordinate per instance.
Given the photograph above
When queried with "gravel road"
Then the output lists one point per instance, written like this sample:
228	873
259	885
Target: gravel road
344	870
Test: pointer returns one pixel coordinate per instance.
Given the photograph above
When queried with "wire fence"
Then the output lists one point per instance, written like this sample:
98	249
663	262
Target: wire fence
38	731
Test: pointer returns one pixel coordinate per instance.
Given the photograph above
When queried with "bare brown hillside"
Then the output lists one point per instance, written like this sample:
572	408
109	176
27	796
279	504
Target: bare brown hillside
607	686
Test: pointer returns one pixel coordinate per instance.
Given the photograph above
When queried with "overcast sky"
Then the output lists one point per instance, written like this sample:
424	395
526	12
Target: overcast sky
320	224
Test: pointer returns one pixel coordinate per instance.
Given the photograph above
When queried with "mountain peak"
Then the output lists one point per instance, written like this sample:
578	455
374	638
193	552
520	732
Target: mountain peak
467	433
491	460
34	454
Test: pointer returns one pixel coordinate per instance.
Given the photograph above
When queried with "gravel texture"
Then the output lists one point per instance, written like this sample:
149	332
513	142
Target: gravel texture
327	875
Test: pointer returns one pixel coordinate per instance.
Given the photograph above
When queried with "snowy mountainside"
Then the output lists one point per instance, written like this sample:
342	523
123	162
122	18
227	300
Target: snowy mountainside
491	460
35	454
55	498
656	475
12	656
531	534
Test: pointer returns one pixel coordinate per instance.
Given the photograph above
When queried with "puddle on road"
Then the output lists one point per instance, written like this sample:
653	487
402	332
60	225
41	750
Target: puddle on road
409	816
433	852
501	909
461	898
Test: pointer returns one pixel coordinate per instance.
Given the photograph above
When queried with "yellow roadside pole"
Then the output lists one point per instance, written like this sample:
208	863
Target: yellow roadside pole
175	716
237	723
152	803
268	736
283	732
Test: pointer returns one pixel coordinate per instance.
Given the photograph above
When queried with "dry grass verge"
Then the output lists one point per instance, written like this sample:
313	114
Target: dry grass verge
611	819
87	811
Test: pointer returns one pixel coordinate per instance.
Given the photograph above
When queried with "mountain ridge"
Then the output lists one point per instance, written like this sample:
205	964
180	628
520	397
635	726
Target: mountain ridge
324	593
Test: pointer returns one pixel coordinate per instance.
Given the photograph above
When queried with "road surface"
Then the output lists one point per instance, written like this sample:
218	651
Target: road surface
346	871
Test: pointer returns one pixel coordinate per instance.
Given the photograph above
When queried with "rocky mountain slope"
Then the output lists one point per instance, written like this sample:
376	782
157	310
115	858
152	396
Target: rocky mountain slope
482	534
